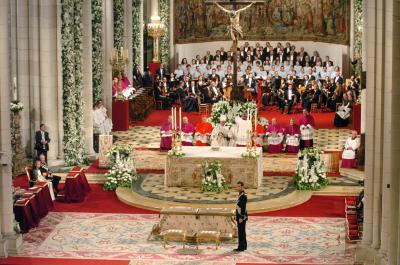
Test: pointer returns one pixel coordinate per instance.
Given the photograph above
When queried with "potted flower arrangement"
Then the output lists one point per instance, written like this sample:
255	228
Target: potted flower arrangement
16	106
212	178
310	172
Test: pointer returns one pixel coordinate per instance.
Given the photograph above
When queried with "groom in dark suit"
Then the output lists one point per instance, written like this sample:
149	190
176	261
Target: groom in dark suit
42	141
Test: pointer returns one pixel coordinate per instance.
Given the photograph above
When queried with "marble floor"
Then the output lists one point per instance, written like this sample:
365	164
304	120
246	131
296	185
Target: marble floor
275	240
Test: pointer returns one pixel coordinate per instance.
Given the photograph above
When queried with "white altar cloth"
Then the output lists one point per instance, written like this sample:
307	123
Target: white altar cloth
185	171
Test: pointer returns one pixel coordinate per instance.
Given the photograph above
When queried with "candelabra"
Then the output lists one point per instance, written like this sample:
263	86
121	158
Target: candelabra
119	59
156	29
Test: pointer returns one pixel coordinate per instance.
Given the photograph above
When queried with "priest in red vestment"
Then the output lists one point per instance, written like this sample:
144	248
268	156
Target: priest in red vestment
166	135
292	133
307	125
275	137
203	132
260	130
187	132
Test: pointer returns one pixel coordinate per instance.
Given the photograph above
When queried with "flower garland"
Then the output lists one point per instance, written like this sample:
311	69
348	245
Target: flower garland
118	9
212	178
358	28
123	172
16	107
310	172
231	111
97	49
71	55
165	39
136	33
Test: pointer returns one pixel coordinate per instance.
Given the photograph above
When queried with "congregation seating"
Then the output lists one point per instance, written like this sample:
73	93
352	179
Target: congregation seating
141	104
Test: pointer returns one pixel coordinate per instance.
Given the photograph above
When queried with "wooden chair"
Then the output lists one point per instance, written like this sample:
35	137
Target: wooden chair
28	175
204	109
314	107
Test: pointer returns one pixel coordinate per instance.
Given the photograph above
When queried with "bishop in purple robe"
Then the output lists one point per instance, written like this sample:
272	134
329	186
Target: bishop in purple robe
166	135
275	137
307	125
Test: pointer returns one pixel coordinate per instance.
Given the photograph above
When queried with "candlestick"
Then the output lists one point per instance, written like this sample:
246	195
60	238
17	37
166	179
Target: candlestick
175	119
172	115
180	118
255	122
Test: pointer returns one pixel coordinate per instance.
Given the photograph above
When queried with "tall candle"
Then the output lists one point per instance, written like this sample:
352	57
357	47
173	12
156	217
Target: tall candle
172	115
180	118
255	122
175	119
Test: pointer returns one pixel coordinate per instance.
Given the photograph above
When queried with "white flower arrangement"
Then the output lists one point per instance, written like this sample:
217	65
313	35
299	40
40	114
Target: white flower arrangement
175	152
310	172
122	173
250	153
97	49
16	107
136	32
212	178
121	150
231	111
165	38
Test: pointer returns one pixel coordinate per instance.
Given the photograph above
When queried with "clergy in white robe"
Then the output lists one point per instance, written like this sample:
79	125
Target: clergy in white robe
223	134
101	123
349	152
243	130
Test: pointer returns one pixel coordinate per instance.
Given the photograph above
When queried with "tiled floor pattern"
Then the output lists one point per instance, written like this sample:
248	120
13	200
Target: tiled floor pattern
276	240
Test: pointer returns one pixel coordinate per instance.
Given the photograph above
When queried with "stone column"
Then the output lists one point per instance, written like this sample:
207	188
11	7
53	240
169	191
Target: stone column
23	73
9	240
48	72
108	39
87	75
128	35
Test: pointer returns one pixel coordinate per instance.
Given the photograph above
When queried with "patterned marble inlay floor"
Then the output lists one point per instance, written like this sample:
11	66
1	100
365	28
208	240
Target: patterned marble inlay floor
277	240
149	137
152	185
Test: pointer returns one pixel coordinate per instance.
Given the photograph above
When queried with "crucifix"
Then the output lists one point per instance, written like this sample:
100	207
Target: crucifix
235	31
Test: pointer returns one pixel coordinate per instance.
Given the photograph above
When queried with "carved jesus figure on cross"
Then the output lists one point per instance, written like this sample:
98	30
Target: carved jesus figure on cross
235	30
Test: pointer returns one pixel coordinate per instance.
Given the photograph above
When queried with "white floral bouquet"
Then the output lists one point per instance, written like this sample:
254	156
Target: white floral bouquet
175	152
231	111
250	153
264	122
310	172
123	172
212	178
16	107
121	150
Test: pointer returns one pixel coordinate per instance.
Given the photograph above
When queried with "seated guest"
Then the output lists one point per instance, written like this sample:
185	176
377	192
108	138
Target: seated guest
203	131
36	175
307	125
101	122
161	72
47	173
191	99
342	116
213	94
166	135
147	78
275	137
292	133
187	132
349	152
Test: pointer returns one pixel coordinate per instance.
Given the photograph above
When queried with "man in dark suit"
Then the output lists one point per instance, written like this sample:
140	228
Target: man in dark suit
42	141
161	72
241	217
290	97
44	168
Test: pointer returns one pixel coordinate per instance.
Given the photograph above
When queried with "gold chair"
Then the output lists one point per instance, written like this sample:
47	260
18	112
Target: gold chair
174	235
203	236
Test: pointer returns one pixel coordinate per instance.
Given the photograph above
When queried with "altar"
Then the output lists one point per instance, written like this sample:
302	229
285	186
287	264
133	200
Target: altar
186	171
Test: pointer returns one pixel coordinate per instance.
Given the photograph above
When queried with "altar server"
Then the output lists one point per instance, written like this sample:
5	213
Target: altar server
166	135
307	125
203	132
187	132
241	217
243	130
349	152
275	137
101	122
292	133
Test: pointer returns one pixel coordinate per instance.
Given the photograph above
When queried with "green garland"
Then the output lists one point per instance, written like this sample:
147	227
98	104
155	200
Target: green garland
118	8
164	42
97	49
358	28
136	33
71	55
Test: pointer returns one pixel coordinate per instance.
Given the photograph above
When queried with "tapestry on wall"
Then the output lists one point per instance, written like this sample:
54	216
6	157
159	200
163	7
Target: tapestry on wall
296	20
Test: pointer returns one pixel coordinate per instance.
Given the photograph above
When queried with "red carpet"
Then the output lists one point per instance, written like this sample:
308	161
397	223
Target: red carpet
45	261
322	120
317	206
